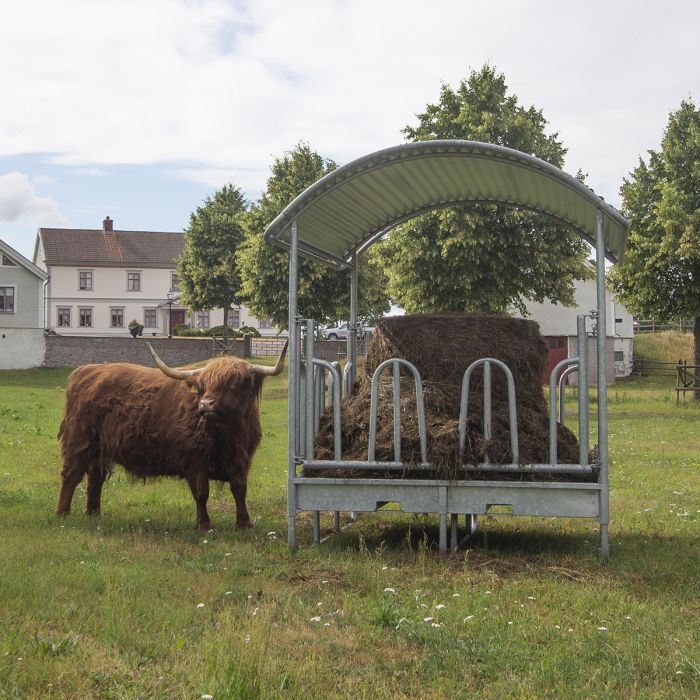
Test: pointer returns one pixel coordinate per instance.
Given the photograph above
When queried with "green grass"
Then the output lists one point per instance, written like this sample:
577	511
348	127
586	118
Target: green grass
108	607
668	346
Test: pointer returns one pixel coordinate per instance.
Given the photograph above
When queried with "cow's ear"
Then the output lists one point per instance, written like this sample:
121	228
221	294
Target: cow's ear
193	385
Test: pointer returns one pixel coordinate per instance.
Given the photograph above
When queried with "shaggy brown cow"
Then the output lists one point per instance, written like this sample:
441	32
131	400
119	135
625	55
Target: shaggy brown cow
197	424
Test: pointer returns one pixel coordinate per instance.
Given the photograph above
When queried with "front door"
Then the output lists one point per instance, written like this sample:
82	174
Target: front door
558	351
177	317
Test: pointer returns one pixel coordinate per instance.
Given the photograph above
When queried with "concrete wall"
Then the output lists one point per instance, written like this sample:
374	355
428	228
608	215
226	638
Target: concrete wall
21	348
67	351
593	360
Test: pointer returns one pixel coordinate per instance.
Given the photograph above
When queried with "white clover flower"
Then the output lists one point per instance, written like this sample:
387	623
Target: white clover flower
602	629
455	595
317	618
200	605
389	590
255	612
206	696
229	593
205	541
326	624
272	533
428	619
531	597
468	618
440	607
436	624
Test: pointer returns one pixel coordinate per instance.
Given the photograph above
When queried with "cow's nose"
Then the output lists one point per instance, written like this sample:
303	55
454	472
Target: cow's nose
206	406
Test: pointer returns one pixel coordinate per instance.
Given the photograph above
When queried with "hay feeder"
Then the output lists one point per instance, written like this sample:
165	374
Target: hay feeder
333	221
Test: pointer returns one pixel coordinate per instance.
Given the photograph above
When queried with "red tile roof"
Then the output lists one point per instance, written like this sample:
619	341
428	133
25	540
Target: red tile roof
79	247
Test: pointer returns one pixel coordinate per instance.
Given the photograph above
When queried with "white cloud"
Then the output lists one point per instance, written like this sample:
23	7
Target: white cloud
19	202
230	85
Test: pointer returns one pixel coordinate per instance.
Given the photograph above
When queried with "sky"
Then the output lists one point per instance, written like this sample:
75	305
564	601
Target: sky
141	109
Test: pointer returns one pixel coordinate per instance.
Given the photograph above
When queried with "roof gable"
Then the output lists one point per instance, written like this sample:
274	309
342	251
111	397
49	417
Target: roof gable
21	260
78	247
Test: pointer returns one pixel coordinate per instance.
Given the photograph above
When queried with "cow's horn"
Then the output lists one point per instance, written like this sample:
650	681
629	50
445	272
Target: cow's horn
169	371
271	371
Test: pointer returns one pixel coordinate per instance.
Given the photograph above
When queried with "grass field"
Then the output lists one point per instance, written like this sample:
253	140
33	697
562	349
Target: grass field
138	604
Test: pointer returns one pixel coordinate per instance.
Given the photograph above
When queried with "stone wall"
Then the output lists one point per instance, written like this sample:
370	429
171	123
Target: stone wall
71	351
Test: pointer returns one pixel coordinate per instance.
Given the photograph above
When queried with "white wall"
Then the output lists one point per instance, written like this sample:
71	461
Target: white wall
21	348
557	320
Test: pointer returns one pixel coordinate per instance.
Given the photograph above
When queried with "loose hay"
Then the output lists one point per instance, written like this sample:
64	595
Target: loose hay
442	346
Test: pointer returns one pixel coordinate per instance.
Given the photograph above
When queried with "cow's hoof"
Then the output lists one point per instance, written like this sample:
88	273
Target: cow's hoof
204	527
247	525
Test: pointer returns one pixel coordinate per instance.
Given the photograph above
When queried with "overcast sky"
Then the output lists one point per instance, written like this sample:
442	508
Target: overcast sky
140	109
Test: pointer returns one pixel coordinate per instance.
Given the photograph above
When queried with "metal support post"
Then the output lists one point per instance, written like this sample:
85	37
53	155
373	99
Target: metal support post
583	414
292	390
352	325
602	389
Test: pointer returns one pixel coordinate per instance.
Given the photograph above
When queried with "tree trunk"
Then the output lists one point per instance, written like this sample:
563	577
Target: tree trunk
696	356
226	325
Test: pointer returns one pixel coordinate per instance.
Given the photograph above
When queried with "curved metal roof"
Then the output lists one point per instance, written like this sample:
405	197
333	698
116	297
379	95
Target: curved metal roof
348	209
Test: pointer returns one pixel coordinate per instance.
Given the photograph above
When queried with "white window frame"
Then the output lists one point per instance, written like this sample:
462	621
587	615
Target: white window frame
237	322
155	314
174	286
91	309
14	298
139	278
69	309
116	308
91	288
203	315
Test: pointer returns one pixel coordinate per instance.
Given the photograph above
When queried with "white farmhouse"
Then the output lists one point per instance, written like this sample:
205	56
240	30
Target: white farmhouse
99	280
21	311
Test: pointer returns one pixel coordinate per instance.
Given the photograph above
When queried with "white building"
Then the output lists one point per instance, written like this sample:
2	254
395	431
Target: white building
558	326
21	311
99	280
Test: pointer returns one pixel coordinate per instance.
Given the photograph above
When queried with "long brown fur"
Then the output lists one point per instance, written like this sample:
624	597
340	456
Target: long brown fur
151	425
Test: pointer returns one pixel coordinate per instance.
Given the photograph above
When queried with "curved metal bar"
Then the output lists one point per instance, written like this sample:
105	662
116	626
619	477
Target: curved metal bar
553	406
512	406
562	381
374	406
334	382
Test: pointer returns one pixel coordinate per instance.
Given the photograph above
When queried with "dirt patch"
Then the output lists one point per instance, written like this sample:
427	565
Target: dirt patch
442	346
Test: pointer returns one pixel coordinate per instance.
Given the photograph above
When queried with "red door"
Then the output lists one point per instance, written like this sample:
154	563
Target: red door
177	317
558	351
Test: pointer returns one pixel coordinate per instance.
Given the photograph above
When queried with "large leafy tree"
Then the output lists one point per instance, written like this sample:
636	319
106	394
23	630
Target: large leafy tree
660	275
483	258
323	292
207	269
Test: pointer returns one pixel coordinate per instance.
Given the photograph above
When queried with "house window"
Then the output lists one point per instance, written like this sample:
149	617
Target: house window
133	281
7	261
619	356
265	323
85	317
150	318
174	286
234	318
202	319
85	280
7	300
116	316
63	316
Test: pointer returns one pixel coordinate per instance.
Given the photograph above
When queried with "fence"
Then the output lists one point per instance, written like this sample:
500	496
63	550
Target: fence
655	367
652	325
687	379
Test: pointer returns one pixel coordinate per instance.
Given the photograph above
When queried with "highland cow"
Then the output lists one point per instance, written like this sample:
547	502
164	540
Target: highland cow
197	424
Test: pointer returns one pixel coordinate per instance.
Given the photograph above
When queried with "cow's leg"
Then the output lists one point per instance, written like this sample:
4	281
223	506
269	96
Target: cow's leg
199	486
71	476
96	479
239	488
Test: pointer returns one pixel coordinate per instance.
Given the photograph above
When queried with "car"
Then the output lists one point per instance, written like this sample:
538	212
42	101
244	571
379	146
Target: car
340	332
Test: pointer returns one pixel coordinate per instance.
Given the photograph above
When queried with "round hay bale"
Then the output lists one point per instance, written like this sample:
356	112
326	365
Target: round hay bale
442	346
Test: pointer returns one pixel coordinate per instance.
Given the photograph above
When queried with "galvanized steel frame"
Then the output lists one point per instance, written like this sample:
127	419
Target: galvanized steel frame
471	497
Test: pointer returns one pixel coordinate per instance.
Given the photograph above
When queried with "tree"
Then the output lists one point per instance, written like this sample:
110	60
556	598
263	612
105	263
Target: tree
660	275
324	293
486	258
207	269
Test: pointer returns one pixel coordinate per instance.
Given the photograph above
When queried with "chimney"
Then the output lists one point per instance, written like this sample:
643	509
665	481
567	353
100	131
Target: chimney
108	226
